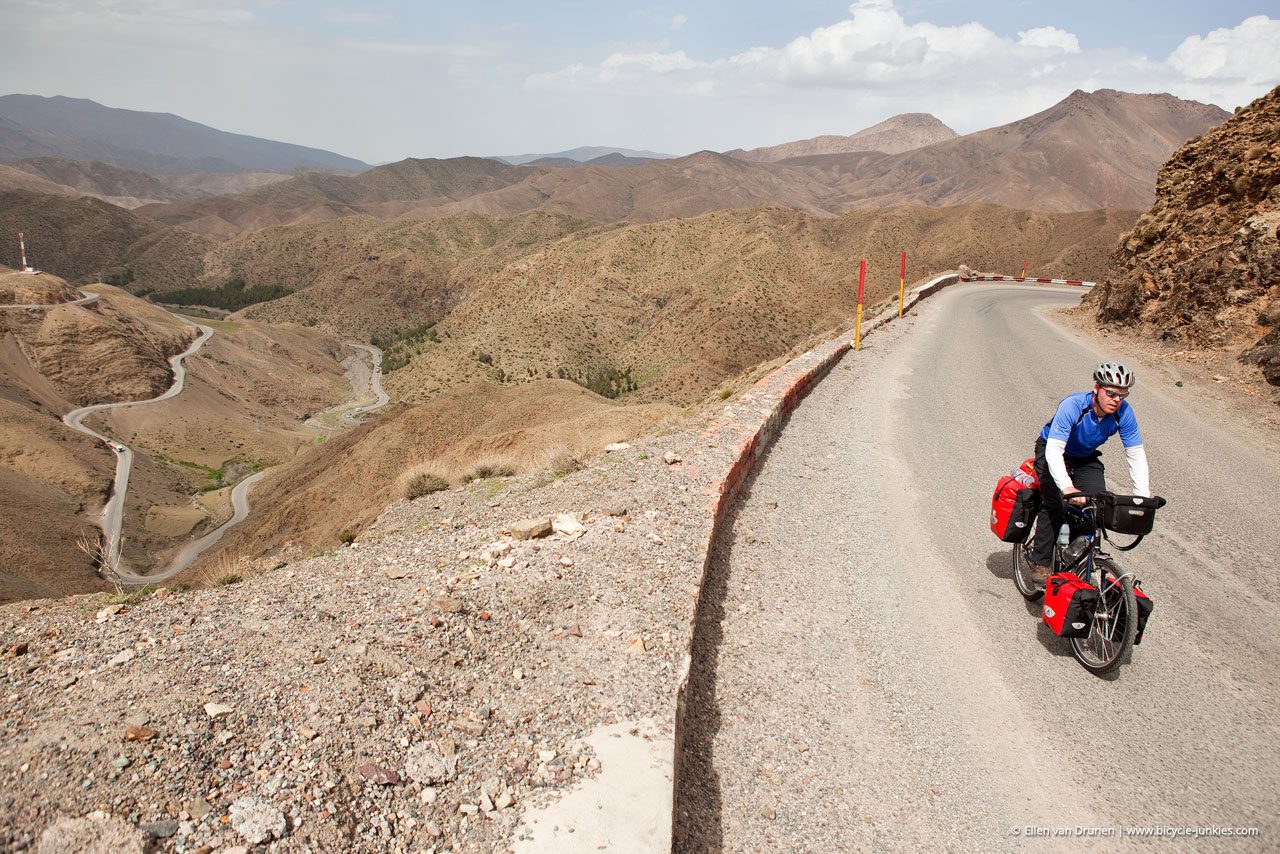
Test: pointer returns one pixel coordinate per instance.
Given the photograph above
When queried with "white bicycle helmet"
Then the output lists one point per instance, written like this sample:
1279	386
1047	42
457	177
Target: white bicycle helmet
1113	374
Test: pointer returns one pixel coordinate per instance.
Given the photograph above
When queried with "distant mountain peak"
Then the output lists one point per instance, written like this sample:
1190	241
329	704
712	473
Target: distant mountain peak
894	135
155	143
581	154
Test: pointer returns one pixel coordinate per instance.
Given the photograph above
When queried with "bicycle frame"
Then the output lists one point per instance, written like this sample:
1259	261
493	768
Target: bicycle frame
1083	516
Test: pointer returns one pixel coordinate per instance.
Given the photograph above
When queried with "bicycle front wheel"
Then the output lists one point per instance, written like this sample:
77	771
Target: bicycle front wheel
1115	623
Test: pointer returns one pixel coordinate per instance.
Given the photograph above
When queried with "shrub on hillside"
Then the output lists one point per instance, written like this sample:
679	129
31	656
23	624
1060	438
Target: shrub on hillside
421	480
488	469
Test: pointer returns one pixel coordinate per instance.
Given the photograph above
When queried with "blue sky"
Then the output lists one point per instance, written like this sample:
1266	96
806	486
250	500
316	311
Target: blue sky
385	80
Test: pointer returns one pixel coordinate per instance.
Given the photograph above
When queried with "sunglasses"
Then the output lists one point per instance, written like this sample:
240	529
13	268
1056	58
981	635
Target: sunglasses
1115	395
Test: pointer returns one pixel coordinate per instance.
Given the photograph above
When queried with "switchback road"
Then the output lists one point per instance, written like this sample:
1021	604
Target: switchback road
866	677
365	381
113	513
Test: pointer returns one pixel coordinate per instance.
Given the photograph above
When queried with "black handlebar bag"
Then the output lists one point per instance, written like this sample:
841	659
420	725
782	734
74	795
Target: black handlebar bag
1127	514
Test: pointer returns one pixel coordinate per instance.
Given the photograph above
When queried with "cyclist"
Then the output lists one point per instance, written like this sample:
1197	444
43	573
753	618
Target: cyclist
1067	456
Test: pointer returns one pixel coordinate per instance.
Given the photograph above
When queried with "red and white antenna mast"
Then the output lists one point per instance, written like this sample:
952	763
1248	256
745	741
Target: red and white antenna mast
22	246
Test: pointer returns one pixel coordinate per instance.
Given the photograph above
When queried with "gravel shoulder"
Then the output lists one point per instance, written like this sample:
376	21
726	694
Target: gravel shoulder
423	688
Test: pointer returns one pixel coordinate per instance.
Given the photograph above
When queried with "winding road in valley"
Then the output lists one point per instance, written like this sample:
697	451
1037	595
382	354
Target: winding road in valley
239	495
364	382
112	515
113	512
867	678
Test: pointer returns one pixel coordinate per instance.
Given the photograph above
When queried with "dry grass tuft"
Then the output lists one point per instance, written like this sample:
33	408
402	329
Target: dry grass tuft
229	568
421	479
493	465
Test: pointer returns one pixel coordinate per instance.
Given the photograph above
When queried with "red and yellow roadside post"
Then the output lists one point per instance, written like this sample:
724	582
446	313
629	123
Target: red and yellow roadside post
902	283
857	327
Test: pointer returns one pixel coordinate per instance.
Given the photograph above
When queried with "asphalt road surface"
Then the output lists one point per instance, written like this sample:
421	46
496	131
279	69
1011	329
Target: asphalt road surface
192	550
113	513
866	676
381	398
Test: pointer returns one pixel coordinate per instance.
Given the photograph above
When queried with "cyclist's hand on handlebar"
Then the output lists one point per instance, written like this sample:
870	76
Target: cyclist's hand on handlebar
1079	502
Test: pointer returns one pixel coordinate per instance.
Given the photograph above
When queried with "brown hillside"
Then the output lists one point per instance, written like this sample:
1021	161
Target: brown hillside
13	178
197	185
115	184
1090	151
102	351
657	190
79	239
1202	266
25	289
476	428
50	476
688	305
385	192
41	523
892	136
1099	150
366	277
249	391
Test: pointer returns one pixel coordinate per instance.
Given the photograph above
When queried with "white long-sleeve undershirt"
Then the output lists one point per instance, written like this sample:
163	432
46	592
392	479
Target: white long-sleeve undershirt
1136	456
1138	470
1053	451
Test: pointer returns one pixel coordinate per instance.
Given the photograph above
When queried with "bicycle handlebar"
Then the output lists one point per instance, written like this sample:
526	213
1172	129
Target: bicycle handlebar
1156	502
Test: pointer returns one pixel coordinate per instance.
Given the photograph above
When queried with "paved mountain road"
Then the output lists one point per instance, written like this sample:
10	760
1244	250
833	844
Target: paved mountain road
113	512
866	677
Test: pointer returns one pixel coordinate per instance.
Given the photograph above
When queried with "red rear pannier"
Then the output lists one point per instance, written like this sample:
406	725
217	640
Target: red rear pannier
1144	611
1015	503
1069	603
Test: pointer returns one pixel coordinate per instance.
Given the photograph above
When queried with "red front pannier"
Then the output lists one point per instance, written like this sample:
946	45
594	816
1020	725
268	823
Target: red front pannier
1069	602
1015	503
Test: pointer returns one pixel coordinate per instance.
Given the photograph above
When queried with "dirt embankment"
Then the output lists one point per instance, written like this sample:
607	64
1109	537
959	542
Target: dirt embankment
334	490
1201	268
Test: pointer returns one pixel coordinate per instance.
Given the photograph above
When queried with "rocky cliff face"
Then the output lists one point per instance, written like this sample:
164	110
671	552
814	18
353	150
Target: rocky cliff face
1202	266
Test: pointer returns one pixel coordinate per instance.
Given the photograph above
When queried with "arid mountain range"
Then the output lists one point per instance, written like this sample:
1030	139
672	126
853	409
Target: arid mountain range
410	187
892	136
122	187
582	154
1202	266
157	143
1090	151
690	310
528	315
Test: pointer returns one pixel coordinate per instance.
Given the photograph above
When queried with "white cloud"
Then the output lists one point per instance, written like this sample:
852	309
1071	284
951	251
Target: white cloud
1050	37
678	21
1249	52
875	63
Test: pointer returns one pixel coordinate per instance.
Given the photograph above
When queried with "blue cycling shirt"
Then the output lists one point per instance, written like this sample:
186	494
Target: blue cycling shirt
1091	432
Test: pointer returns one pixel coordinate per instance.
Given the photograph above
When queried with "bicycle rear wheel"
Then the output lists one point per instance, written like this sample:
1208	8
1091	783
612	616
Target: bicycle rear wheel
1115	623
1030	590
